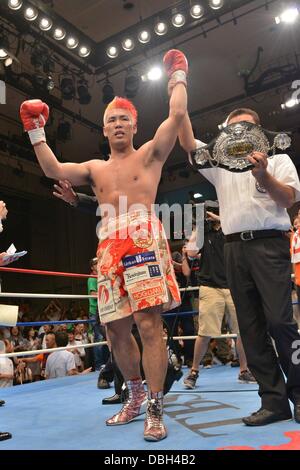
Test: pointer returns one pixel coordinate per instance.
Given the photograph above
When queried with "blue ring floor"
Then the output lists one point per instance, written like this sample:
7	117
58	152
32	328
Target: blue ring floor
67	414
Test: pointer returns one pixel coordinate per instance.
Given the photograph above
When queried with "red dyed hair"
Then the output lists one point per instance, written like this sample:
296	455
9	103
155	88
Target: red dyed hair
122	103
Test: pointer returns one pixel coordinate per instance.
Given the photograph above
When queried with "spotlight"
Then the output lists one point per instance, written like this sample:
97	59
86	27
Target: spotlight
178	20
144	36
45	24
15	4
3	54
128	44
290	103
161	28
288	16
83	92
59	34
132	83
8	61
72	42
4	47
216	4
108	92
63	132
39	56
84	51
50	84
154	74
197	11
31	14
67	88
112	52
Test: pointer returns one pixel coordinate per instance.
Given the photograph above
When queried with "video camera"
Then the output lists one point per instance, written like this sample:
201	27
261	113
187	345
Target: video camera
210	206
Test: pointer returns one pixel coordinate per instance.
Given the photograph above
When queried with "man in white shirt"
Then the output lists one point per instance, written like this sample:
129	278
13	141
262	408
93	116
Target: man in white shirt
59	363
255	221
6	379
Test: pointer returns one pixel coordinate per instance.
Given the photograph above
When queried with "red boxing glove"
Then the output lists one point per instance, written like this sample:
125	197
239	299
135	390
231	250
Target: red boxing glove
34	115
176	66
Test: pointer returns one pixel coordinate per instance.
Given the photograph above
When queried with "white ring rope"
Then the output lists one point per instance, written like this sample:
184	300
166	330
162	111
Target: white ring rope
91	345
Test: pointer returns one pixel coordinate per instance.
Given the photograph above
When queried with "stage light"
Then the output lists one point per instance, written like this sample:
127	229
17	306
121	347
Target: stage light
128	44
15	4
154	74
178	20
197	11
59	34
84	51
288	16
45	24
31	13
108	92
132	83
72	42
144	36
112	52
161	28
83	92
216	4
67	88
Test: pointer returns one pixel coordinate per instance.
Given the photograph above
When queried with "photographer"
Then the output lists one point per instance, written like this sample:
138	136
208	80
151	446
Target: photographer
214	298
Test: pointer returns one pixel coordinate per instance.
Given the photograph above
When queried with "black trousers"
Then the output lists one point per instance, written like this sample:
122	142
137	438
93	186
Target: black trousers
259	277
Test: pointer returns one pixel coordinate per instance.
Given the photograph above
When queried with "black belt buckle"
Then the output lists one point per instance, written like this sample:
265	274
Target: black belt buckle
246	236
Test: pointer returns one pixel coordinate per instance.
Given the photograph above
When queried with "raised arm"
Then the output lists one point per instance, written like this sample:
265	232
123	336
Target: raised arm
186	134
34	115
166	135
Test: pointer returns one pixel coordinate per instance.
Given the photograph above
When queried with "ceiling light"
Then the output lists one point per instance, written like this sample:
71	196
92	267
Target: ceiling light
112	52
83	92
288	16
31	13
178	20
3	54
128	44
8	61
197	11
161	28
154	74
59	34
45	24
84	51
144	36
216	4
72	42
15	4
67	88
108	92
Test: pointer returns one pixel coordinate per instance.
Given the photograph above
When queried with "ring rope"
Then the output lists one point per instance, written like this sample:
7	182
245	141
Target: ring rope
91	345
46	273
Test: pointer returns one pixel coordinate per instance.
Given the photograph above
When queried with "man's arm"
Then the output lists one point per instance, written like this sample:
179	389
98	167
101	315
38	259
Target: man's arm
34	115
83	202
166	135
282	194
186	135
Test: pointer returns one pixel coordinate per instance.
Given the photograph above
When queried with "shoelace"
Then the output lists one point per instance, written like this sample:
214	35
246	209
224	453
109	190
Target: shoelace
154	413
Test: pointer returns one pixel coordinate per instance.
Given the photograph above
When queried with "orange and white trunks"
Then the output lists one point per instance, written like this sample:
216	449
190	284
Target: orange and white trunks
135	270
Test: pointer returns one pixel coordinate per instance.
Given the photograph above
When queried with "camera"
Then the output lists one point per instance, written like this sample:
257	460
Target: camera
210	206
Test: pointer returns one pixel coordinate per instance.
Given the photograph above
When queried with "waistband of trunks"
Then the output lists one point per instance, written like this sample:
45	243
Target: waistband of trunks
124	221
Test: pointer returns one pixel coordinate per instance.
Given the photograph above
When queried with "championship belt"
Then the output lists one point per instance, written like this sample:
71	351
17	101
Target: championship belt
233	145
